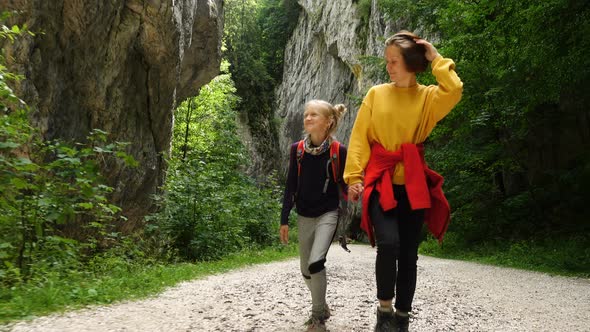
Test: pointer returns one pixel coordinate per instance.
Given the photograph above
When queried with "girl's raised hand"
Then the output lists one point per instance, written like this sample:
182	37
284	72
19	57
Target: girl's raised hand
431	52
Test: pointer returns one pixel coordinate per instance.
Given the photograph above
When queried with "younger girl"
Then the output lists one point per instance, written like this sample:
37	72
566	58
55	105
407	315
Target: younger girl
312	188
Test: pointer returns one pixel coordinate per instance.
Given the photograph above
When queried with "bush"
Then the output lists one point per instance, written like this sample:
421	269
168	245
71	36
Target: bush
210	207
49	191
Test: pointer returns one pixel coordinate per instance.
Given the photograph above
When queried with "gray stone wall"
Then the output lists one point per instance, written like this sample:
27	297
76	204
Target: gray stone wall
121	66
322	61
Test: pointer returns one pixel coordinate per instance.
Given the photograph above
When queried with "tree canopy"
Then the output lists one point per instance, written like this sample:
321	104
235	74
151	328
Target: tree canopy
516	150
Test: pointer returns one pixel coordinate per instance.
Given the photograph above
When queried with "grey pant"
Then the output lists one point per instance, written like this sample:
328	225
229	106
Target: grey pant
315	237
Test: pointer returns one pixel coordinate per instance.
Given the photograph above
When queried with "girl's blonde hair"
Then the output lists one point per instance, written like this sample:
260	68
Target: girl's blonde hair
333	112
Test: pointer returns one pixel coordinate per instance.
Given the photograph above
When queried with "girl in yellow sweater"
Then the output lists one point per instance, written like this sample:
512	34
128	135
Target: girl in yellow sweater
390	116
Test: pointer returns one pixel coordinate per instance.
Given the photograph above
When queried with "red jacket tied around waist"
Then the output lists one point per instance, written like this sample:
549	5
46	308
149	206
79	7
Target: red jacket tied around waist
423	185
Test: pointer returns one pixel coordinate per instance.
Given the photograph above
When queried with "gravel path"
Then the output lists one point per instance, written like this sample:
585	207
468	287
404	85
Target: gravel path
451	296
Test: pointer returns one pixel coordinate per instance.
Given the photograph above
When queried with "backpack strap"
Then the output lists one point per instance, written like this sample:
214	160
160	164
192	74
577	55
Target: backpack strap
300	151
335	159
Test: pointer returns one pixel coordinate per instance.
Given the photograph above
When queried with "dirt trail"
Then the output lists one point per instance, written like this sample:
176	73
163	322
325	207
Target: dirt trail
451	296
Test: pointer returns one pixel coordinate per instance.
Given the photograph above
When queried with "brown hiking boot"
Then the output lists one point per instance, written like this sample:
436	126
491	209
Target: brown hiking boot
324	316
327	312
316	325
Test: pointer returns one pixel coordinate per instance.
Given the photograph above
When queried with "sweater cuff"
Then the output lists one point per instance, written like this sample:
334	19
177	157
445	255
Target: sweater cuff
354	180
436	60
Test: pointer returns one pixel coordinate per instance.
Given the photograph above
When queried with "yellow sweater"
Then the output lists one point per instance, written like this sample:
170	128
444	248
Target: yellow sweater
392	116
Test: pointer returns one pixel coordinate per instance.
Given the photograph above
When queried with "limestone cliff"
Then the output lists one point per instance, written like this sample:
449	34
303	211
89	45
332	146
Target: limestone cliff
322	60
120	66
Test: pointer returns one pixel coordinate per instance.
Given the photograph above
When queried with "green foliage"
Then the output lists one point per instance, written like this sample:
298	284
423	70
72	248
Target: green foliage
111	277
364	14
560	255
256	33
374	67
44	201
53	201
364	7
210	207
514	151
58	244
7	97
278	19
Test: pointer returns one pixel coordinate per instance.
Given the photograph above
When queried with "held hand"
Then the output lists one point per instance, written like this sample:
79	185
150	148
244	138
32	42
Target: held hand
355	191
431	52
284	234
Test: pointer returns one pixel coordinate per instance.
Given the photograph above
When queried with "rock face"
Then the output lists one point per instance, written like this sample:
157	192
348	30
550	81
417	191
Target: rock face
322	61
120	66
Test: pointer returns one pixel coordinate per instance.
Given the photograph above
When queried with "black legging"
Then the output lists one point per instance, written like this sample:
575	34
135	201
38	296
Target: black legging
397	234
